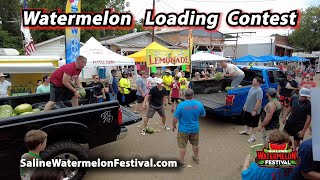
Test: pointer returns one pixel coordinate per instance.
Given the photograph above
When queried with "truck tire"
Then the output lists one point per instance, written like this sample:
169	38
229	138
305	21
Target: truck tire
67	150
210	90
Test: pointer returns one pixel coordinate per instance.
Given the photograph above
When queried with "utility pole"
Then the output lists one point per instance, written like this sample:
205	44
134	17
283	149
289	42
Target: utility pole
271	41
153	14
237	36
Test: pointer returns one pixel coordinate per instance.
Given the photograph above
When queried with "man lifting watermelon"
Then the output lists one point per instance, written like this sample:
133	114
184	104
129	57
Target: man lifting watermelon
60	83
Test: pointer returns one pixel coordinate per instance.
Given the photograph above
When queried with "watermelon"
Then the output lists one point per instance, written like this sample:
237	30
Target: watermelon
22	108
150	130
4	115
25	113
35	110
82	92
218	76
227	88
6	107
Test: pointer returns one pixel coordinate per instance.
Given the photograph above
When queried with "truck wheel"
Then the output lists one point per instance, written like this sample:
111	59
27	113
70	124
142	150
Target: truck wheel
67	150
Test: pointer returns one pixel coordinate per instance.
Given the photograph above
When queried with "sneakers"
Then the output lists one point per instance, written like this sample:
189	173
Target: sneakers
244	132
143	132
251	139
166	127
196	160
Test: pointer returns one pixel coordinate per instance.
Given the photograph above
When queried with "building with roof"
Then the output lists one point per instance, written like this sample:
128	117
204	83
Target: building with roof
52	47
211	41
258	46
133	42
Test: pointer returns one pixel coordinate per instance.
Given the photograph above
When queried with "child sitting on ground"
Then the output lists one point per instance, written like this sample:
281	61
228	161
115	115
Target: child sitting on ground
175	92
36	141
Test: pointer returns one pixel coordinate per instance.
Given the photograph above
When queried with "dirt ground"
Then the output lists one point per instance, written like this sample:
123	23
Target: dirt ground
222	151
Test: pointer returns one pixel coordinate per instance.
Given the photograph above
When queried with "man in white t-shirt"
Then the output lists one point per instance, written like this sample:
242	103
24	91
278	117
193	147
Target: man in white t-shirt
5	86
232	71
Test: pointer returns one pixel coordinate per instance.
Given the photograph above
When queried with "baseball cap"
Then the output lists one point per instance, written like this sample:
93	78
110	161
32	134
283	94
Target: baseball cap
168	71
271	91
290	73
159	81
304	92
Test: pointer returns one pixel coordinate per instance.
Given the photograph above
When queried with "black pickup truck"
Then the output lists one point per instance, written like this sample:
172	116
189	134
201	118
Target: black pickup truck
67	128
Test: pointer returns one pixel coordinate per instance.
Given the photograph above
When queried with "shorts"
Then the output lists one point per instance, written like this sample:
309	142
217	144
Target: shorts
251	121
183	139
168	92
60	93
175	100
285	100
152	110
293	130
140	99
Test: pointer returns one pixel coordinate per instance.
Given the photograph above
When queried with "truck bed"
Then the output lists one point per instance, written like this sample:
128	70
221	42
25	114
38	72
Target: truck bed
128	117
211	101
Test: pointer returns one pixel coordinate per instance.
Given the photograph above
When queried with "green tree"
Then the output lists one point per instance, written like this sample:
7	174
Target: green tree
10	34
308	35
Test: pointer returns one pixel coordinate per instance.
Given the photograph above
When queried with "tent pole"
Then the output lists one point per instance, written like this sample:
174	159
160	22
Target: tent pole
135	73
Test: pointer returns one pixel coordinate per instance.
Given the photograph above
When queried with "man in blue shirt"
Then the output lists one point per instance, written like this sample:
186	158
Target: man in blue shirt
308	168
188	113
113	86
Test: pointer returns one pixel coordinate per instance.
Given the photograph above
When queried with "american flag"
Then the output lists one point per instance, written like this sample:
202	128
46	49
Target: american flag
29	44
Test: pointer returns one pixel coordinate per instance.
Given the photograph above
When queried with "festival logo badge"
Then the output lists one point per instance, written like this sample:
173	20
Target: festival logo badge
277	156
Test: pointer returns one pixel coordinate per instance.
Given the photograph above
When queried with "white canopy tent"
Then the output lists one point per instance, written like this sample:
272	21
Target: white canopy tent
99	56
205	56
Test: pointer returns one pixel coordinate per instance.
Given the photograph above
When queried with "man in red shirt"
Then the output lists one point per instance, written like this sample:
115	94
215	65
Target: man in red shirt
60	83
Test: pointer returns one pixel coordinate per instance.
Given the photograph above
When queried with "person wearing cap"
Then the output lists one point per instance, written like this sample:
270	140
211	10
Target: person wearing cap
141	90
270	115
188	113
285	89
5	86
232	71
152	80
252	109
166	81
300	116
157	98
125	88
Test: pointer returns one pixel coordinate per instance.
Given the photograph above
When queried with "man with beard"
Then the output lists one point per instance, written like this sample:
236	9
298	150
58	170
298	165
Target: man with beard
300	116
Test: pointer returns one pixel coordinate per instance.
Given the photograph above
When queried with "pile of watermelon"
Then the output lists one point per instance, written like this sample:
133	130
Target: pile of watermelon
22	109
218	76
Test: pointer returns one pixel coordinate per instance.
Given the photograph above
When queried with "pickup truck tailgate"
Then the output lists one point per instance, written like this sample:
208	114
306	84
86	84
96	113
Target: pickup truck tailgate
129	117
211	101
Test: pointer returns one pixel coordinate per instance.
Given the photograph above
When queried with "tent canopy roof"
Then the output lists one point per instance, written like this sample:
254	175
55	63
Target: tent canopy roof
248	58
98	55
140	56
204	56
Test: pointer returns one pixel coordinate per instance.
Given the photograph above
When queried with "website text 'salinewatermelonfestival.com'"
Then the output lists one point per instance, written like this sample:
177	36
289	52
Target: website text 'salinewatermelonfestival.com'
115	163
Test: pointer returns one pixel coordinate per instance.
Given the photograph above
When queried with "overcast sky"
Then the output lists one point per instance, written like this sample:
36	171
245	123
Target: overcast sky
137	7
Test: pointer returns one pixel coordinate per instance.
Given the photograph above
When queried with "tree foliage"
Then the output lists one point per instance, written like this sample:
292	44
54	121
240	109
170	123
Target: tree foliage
10	34
308	35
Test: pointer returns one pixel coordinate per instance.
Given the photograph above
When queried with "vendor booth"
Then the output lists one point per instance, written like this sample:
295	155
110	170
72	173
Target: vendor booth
201	60
140	56
24	71
100	59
